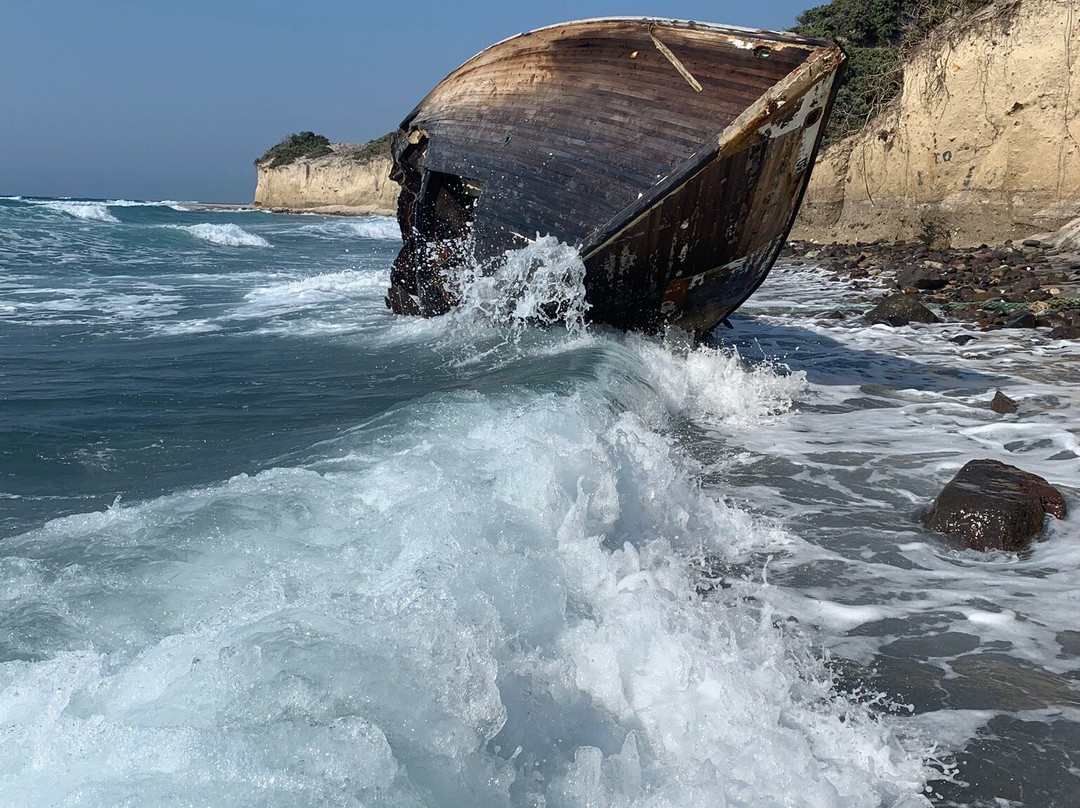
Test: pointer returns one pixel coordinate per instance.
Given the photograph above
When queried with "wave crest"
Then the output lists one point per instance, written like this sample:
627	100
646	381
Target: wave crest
88	211
225	235
370	227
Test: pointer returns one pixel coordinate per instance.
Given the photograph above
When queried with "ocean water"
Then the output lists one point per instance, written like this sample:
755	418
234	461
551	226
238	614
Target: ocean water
264	543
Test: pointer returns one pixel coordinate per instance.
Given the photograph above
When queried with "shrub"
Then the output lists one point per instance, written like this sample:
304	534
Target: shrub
292	148
876	35
373	148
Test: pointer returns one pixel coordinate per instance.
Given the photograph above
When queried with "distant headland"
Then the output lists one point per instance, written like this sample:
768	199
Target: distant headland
307	173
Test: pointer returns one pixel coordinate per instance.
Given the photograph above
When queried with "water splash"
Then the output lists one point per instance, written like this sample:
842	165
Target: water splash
715	385
540	284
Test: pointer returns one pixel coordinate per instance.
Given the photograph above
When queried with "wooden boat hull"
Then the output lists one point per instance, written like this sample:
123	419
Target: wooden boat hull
672	154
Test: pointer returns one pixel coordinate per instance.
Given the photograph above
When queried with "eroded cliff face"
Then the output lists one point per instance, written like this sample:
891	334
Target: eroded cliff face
334	183
983	143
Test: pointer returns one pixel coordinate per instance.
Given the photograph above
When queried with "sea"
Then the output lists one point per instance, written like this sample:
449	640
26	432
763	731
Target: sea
264	543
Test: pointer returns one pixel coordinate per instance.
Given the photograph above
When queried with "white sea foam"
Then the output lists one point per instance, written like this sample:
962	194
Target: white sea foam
132	203
186	327
315	292
368	227
713	385
55	306
225	235
89	211
486	598
890	416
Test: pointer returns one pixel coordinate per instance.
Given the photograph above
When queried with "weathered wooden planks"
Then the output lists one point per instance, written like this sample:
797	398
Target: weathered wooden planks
588	131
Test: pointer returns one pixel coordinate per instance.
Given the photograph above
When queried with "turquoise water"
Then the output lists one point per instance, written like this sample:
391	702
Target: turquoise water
264	543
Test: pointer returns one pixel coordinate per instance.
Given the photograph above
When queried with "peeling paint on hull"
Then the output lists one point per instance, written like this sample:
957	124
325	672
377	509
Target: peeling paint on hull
672	154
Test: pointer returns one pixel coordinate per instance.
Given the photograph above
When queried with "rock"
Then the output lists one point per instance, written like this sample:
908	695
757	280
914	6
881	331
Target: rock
962	339
1002	404
974	295
989	505
900	310
925	277
1065	332
1021	319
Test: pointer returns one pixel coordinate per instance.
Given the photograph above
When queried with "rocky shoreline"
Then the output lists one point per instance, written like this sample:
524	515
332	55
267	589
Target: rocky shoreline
1035	284
1026	285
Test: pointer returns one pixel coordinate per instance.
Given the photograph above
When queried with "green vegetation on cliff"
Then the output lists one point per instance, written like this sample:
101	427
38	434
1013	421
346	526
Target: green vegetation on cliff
309	145
876	34
292	148
373	148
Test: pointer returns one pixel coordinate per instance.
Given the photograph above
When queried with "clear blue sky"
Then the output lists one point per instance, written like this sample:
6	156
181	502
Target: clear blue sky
173	100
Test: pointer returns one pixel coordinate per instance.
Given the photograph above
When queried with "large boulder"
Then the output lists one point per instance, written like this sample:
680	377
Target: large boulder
993	506
900	310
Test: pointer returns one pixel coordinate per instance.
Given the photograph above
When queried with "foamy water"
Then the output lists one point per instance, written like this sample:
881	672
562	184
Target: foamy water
344	228
88	211
225	235
362	559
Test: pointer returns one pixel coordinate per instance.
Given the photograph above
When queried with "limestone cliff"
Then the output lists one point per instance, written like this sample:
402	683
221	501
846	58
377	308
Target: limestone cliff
344	181
981	145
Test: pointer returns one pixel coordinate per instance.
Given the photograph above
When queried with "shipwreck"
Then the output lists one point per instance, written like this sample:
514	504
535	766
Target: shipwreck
672	154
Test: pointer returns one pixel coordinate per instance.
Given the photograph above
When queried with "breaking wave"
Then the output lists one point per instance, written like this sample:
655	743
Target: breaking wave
713	385
134	203
368	227
225	235
88	211
485	599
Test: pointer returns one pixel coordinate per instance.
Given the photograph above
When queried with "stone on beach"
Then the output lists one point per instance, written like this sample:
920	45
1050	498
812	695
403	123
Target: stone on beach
1021	319
1002	404
974	284
928	276
897	310
990	505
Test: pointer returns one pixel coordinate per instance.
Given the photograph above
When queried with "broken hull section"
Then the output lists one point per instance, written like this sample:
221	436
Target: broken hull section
672	154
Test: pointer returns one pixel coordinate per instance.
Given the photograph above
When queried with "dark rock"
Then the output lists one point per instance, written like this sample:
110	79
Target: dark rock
993	506
1022	319
900	310
1002	404
921	278
1031	242
1065	332
963	339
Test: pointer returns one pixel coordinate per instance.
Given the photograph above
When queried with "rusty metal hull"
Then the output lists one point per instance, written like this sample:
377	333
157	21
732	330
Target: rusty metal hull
672	154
